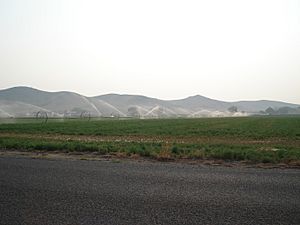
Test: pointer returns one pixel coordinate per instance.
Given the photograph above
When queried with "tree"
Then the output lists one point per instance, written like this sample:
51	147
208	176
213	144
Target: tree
133	112
270	111
232	109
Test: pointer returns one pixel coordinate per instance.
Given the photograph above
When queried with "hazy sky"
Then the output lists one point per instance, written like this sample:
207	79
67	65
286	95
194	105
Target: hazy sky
228	50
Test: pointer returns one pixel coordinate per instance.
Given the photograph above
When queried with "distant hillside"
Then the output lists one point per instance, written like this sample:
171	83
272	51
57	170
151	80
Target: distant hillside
26	102
256	106
198	103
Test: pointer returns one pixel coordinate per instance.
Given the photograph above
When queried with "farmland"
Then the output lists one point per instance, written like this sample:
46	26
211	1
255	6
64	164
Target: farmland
249	139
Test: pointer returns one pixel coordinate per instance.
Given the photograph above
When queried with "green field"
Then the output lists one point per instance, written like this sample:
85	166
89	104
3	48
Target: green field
251	139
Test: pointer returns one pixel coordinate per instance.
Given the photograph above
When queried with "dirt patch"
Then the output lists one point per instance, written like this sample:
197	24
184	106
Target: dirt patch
119	157
162	139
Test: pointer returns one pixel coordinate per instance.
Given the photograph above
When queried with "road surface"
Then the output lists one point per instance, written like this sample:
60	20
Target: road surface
39	191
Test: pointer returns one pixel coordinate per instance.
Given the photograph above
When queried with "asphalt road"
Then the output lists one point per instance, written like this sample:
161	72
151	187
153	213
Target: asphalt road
35	191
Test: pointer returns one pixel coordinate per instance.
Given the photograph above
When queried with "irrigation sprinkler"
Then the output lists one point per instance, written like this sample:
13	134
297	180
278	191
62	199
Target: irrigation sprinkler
42	115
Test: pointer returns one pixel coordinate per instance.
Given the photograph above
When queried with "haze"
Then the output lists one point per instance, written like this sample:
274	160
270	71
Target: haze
227	50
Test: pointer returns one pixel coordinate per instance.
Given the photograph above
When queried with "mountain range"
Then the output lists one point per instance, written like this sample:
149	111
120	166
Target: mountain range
27	102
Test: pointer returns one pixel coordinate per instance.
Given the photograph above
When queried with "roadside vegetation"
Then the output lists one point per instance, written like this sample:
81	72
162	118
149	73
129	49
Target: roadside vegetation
251	139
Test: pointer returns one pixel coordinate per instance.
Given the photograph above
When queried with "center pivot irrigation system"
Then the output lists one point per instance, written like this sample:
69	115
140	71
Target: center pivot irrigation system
41	115
85	114
44	117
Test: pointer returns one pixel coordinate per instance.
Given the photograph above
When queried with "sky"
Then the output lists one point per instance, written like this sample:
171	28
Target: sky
227	50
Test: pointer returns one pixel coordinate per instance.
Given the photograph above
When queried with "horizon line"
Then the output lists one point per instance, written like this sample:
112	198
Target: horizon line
141	95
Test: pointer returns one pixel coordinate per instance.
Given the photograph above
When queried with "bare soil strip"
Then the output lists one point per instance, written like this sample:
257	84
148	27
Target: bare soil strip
161	139
119	158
